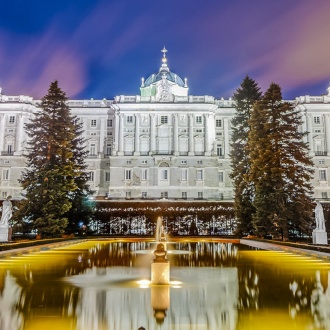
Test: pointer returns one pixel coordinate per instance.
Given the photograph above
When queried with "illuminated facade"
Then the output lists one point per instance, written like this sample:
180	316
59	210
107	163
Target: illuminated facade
161	144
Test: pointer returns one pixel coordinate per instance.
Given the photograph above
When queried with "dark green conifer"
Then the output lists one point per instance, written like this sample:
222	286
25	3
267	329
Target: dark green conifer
55	165
281	169
245	96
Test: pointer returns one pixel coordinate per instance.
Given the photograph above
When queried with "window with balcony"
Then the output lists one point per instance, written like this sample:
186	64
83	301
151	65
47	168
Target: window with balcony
128	174
164	174
164	194
91	176
323	175
107	176
108	150
92	149
144	176
219	150
5	174
220	176
184	174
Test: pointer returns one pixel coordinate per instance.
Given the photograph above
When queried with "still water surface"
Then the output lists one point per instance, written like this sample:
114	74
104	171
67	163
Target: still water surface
98	285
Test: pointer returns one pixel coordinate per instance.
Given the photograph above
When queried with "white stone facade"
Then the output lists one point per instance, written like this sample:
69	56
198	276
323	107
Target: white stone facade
163	143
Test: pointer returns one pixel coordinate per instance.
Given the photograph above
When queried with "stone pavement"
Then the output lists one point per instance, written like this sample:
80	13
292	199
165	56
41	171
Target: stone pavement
310	250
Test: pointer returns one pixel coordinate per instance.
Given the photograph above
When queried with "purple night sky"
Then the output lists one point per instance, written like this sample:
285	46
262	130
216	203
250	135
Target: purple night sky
99	49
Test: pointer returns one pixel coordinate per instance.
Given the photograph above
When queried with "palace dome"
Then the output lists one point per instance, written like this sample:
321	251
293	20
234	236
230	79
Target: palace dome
164	72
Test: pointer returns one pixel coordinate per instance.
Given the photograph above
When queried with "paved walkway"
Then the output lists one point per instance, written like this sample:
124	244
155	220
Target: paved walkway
312	251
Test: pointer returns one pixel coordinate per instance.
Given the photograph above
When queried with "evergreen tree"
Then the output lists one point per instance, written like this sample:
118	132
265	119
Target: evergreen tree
281	169
55	175
245	96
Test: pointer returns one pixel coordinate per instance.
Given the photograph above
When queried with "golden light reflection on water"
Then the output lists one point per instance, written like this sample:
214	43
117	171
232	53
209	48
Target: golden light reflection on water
94	285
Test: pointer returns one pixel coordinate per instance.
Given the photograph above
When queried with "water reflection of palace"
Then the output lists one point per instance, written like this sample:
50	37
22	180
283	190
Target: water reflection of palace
93	285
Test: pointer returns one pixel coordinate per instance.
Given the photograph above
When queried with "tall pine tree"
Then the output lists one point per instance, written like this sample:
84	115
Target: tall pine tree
55	176
281	169
245	96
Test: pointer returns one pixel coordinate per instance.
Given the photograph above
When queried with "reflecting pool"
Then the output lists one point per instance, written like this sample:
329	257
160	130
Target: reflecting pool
99	284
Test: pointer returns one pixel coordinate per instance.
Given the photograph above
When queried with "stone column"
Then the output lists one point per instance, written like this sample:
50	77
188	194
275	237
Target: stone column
191	136
19	133
137	136
176	135
116	137
152	134
121	135
226	137
310	135
304	127
102	136
207	144
2	131
327	132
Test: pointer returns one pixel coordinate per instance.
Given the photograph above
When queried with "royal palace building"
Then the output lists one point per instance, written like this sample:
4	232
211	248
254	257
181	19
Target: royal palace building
161	144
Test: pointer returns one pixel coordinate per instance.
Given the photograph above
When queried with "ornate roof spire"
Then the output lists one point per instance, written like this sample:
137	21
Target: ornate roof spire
164	66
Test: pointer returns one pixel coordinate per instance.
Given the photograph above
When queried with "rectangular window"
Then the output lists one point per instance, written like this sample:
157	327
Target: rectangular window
218	123
219	150
317	120
93	122
164	175
323	175
200	195
221	196
91	176
11	119
199	175
184	174
199	162
163	119
129	119
144	162
198	119
144	176
184	195
128	174
107	176
164	194
144	194
128	195
10	149
321	161
5	174
109	123
183	162
108	150
128	162
324	194
220	176
4	194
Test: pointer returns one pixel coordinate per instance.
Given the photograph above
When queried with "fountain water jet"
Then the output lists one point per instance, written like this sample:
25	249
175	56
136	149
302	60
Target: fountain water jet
160	233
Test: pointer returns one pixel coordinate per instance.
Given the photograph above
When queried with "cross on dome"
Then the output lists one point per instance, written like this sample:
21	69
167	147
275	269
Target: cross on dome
164	66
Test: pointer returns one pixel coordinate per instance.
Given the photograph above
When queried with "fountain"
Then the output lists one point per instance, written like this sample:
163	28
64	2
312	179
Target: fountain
160	233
